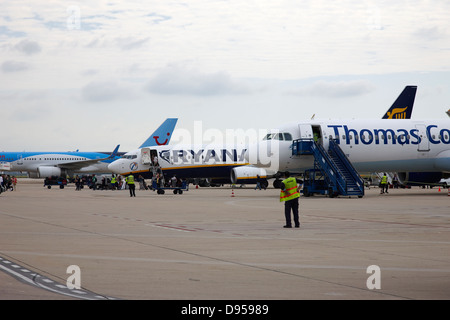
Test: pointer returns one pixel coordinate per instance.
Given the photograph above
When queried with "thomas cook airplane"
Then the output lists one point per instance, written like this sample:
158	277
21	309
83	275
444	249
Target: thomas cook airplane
46	164
221	163
400	109
341	146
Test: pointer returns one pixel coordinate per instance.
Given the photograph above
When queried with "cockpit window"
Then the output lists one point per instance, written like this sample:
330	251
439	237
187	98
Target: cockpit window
278	136
129	156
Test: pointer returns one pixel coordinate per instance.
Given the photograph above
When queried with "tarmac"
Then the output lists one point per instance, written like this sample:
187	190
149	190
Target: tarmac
222	244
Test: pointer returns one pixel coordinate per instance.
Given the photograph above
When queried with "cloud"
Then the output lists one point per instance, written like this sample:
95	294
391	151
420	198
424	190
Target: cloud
340	89
28	47
14	66
158	18
129	43
4	30
175	80
103	91
429	34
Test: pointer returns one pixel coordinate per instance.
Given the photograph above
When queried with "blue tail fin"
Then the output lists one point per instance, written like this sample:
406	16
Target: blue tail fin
403	106
114	153
162	135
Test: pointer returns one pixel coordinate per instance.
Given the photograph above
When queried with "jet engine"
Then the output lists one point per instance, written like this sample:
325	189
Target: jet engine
247	174
419	178
47	171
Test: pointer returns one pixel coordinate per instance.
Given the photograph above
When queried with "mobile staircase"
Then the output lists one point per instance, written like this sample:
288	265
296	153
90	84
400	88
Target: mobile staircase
333	174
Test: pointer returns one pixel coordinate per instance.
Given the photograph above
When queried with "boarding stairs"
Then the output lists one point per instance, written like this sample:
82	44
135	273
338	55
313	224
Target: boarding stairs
340	176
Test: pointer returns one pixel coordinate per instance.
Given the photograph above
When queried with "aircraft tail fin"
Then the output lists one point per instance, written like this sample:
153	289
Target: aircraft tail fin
403	106
114	153
162	135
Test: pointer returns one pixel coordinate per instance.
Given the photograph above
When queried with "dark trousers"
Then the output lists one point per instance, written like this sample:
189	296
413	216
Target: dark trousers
288	205
132	188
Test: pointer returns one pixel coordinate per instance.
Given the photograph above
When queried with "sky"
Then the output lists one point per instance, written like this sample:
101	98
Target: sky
89	75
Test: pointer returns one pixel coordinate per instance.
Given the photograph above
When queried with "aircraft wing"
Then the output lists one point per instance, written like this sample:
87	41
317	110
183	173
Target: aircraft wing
77	165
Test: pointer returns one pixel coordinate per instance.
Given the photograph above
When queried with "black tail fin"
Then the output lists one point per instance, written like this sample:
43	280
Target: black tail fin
403	106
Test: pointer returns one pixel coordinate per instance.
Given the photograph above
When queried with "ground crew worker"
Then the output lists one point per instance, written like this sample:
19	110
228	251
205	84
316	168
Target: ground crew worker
131	186
113	182
290	194
384	184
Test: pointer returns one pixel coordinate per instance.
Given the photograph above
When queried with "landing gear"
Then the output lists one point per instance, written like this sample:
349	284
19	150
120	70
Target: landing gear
277	184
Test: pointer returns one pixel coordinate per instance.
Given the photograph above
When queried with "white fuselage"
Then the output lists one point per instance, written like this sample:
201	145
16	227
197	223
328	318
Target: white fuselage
185	161
374	145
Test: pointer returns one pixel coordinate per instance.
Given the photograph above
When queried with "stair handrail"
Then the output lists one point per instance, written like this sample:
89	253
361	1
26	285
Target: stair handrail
337	173
334	147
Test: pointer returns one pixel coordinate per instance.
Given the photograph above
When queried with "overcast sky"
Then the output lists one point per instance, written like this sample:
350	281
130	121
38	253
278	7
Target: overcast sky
92	74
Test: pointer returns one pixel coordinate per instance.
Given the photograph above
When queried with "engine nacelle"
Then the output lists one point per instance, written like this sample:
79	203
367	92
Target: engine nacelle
46	172
419	178
246	174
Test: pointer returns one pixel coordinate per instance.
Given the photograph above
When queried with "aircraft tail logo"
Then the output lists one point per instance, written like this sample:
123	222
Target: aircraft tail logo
403	106
397	113
163	143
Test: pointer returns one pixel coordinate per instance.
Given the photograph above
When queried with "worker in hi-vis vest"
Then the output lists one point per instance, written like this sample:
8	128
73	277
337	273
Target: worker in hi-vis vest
384	184
290	194
131	186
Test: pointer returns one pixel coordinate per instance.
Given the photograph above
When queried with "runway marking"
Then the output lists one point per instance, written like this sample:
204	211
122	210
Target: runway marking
182	229
39	281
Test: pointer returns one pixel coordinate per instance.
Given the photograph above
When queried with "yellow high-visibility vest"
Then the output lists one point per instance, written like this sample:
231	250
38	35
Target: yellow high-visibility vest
130	179
384	180
290	192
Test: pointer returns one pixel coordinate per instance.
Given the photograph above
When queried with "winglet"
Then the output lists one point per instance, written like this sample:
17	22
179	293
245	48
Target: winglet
162	135
403	106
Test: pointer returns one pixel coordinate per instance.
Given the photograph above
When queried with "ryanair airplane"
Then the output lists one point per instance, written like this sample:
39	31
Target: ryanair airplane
47	164
211	162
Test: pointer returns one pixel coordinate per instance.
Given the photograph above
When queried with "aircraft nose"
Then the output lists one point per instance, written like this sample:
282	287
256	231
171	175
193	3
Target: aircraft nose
114	167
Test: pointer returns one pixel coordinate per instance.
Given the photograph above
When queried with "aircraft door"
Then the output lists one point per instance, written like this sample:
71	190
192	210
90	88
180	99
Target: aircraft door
154	157
306	131
146	157
19	159
424	143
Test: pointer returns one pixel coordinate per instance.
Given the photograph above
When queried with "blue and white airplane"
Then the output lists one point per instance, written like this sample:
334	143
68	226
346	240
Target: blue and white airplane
46	164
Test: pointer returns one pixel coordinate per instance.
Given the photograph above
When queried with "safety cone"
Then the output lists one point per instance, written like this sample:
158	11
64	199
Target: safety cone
232	192
448	192
439	189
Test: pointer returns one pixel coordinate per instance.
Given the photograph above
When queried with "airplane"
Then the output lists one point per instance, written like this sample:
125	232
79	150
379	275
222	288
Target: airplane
400	109
212	162
219	163
47	164
400	145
